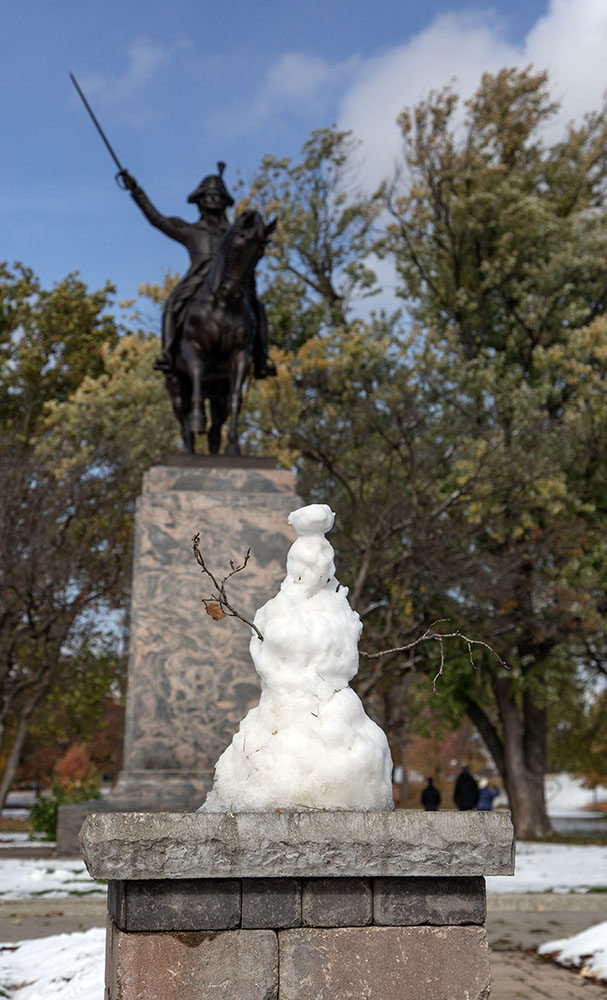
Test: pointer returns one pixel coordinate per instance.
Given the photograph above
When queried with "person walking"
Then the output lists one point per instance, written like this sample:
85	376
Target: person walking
431	796
486	795
465	795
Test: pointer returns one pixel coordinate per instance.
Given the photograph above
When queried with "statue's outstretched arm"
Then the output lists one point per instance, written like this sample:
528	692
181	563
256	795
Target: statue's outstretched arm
172	226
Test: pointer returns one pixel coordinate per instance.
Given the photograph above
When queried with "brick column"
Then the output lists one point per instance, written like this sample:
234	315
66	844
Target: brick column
297	906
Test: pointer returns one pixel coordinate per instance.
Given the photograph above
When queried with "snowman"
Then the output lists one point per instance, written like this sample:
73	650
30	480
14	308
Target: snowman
308	744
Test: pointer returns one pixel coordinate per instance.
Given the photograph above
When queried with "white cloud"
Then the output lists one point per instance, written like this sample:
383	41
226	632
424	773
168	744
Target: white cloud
300	84
570	41
366	94
455	47
145	59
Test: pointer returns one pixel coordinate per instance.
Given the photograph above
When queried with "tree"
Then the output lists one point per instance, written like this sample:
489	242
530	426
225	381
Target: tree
350	407
49	340
578	742
501	245
85	708
115	424
466	458
316	266
69	473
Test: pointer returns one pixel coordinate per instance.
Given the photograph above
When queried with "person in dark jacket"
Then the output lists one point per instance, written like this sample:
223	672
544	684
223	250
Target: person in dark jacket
465	795
486	795
430	796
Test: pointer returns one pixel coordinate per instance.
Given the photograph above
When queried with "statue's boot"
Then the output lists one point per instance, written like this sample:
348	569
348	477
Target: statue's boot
164	363
264	368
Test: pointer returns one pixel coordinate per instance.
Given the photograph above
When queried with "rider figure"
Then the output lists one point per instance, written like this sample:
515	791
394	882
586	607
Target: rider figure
201	240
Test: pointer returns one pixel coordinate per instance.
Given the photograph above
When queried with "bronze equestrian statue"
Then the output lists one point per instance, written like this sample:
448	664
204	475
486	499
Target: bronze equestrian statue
213	324
202	239
216	346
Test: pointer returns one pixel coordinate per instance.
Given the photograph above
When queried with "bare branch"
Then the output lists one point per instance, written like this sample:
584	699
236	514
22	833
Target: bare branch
431	635
442	667
217	606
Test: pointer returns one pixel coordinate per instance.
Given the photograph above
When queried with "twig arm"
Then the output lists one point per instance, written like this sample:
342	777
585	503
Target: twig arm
431	635
218	605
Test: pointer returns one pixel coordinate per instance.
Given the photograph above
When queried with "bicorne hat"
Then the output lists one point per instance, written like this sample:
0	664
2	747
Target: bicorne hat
213	183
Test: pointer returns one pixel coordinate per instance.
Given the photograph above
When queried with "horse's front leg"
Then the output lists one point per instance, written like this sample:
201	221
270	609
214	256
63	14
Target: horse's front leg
240	363
198	424
219	413
177	390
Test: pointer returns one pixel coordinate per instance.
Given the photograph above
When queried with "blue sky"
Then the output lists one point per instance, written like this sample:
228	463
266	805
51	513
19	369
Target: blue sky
178	86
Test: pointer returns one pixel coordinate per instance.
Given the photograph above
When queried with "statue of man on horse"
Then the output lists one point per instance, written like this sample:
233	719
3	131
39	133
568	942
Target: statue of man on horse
213	326
201	239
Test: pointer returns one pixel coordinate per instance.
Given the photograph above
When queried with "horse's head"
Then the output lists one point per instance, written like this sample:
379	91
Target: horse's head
251	232
239	251
245	242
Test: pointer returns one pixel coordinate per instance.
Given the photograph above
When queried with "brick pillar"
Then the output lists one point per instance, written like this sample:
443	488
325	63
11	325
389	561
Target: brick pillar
298	906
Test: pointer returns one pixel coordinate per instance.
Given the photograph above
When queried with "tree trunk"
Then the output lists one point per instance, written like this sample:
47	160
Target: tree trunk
398	738
523	772
397	727
14	756
535	738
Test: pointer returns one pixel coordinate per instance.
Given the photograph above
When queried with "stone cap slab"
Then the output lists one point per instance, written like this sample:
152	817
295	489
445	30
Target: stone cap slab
208	475
310	844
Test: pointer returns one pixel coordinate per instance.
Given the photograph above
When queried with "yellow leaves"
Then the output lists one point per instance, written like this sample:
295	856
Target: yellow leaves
125	408
581	362
159	293
405	121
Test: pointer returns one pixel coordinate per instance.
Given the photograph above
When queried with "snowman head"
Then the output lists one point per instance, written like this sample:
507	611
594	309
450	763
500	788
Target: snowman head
310	560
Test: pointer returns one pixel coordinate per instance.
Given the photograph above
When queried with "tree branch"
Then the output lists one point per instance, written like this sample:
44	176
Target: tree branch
218	606
431	635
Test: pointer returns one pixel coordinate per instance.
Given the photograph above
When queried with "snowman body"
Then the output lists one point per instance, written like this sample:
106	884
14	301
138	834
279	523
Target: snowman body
308	744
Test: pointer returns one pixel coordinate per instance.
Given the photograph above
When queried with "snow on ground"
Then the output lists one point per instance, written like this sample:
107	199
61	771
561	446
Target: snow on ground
63	967
70	966
33	878
554	868
16	839
565	794
586	951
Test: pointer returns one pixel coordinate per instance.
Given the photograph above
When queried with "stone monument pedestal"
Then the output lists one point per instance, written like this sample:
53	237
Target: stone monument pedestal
190	679
297	906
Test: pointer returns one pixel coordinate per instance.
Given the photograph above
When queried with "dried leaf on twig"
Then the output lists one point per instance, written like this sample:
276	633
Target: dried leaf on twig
215	611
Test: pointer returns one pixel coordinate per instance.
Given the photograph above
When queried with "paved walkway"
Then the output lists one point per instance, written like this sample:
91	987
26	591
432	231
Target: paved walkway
516	975
24	919
514	923
518	922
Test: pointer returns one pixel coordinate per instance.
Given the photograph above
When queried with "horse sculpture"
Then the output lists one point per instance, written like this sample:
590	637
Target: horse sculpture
214	353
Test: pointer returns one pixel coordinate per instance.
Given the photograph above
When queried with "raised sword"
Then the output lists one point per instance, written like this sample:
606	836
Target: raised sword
108	146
